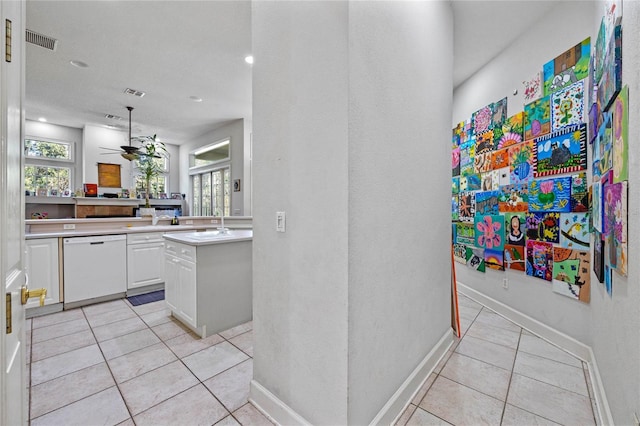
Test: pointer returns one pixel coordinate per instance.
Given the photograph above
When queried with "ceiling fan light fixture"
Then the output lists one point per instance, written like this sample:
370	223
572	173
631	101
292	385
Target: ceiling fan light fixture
129	156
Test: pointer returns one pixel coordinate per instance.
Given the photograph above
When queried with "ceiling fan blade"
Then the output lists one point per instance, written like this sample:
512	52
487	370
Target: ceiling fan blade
110	153
110	149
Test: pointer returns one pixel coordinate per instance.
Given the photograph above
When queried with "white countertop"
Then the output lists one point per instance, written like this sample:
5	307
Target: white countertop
210	237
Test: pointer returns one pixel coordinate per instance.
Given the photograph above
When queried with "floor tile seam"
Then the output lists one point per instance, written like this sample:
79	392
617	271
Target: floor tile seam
214	395
555	386
64	352
66	374
238	348
511	373
111	323
476	359
491	341
476	390
200	350
531	412
107	314
63	335
121	335
142	374
217	374
114	384
427	411
33	327
553	360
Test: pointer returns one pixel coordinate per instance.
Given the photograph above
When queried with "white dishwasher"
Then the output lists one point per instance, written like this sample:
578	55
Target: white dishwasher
94	267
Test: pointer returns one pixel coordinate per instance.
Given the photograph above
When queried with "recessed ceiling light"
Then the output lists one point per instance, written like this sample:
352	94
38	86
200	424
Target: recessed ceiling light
42	120
79	64
249	59
195	98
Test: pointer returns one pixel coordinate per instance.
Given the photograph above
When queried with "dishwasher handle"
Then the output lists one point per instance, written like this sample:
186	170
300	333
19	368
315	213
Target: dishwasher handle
96	242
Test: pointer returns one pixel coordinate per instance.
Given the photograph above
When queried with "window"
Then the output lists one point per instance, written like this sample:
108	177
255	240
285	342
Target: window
48	166
211	154
211	192
159	184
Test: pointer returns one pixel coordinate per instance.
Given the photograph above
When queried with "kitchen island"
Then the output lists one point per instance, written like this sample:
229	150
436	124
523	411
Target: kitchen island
208	279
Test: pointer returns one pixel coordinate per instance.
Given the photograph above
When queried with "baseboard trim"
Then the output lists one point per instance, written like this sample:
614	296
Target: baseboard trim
273	407
401	399
553	336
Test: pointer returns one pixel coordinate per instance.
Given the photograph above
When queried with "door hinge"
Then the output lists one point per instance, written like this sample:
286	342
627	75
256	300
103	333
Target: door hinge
9	315
7	40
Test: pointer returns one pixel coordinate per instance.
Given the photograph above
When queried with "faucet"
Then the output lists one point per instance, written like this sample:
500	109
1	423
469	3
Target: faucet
221	229
154	219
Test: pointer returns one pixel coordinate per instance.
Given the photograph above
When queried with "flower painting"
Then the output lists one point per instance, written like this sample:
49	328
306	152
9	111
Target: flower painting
482	119
489	231
574	231
572	273
499	159
512	131
550	195
539	260
563	151
567	106
533	88
615	225
521	162
567	68
537	118
579	193
620	130
543	226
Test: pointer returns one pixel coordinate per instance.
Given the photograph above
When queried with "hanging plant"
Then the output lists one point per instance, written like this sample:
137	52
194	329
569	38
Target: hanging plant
147	162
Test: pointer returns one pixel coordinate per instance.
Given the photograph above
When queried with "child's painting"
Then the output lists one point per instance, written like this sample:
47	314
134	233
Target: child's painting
521	162
620	130
460	253
482	162
467	157
455	185
489	181
598	256
615	225
471	182
465	234
596	206
572	273
454	207
567	68
515	224
482	120
467	203
537	118
603	151
455	162
543	226
567	106
514	198
563	151
595	120
475	258
574	231
503	176
499	159
611	80
600	51
550	195
532	88
456	135
512	131
514	257
499	113
539	259
579	193
487	202
489	231
494	259
484	142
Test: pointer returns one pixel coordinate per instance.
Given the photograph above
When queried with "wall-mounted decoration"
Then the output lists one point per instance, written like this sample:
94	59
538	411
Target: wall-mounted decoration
514	257
539	259
460	253
615	225
537	118
499	159
482	162
470	183
467	202
550	195
620	131
562	151
514	198
512	131
595	120
503	176
603	147
598	256
567	68
499	113
515	224
484	142
475	258
487	202
494	259
488	181
611	80
567	106
521	162
467	156
596	206
454	207
543	226
455	162
109	175
532	88
574	231
572	273
489	231
465	233
579	193
456	135
481	120
455	185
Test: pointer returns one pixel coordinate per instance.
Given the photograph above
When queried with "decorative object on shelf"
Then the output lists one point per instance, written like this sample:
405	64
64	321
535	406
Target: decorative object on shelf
109	175
176	196
147	162
90	189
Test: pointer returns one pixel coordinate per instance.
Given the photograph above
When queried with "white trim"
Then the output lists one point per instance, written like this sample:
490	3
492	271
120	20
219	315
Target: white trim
556	338
400	400
273	408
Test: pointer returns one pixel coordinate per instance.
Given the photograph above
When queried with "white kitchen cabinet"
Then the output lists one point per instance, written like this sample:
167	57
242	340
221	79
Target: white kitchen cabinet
180	285
43	269
145	259
171	267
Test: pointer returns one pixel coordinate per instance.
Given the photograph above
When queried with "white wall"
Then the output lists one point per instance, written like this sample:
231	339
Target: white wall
237	131
568	23
348	301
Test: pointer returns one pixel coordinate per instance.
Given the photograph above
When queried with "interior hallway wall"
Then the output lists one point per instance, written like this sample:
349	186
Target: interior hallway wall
347	139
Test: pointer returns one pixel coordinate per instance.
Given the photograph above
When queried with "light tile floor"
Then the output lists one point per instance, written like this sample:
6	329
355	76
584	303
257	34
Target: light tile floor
117	364
500	374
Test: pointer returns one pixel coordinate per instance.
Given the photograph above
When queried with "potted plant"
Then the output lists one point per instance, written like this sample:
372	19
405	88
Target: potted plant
147	162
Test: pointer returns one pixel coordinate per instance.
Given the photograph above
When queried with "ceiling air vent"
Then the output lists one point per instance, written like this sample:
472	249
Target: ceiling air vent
134	92
112	117
41	40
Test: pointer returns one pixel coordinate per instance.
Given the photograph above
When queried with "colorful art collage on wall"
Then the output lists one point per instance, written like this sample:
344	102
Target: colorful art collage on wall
525	202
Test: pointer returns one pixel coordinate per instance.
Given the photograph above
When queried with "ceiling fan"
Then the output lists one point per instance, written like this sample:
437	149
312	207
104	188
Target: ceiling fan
127	152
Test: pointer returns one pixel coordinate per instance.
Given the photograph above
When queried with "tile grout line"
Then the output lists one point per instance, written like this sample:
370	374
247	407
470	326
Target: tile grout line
506	397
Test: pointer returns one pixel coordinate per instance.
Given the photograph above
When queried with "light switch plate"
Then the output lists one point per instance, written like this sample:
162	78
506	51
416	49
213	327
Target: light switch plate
69	226
188	222
280	221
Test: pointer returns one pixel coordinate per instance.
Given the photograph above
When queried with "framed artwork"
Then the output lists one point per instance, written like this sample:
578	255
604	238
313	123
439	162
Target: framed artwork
515	225
484	142
489	181
481	120
521	162
620	132
467	203
489	231
596	206
598	256
456	135
455	185
615	225
611	79
537	118
487	202
574	231
109	175
543	226
499	159
467	157
499	113
539	260
494	259
465	233
563	151
503	176
567	106
455	162
512	131
514	257
572	273
532	88
514	198
567	68
603	152
482	162
579	193
460	253
454	207
471	182
595	120
475	258
600	51
550	195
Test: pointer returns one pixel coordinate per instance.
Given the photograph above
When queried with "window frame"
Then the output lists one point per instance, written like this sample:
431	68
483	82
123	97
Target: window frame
29	158
48	162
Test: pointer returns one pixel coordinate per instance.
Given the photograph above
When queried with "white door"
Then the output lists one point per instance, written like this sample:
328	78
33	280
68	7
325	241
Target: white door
13	391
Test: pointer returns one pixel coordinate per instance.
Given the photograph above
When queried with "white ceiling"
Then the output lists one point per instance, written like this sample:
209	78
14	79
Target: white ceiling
176	49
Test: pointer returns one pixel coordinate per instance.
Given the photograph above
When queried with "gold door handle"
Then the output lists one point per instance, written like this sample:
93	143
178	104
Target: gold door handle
28	294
